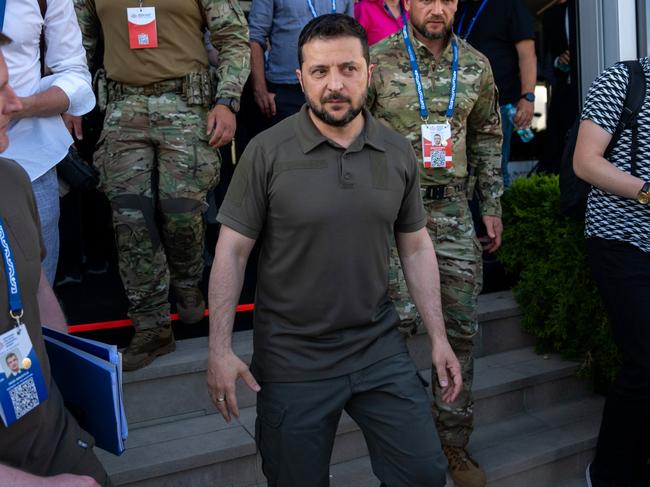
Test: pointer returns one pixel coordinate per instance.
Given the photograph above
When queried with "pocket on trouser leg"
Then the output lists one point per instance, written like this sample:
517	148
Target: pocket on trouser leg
268	438
188	166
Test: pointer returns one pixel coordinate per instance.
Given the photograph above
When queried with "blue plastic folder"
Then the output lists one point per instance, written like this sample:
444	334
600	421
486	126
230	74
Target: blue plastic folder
89	375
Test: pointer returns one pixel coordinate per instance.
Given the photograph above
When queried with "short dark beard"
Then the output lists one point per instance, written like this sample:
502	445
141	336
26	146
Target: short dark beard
326	117
432	36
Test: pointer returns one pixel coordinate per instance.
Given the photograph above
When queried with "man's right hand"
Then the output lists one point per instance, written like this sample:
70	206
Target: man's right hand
223	371
265	100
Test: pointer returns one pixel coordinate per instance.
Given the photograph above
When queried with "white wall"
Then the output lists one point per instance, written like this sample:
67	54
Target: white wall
607	35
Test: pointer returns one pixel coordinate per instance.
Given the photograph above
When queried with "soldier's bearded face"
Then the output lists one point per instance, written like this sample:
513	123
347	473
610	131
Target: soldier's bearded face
432	19
9	103
335	76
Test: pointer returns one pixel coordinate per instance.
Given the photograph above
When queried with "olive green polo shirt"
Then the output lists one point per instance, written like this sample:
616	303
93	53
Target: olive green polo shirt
325	216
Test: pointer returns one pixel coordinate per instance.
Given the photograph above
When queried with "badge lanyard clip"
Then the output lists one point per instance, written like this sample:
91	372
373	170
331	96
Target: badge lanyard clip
140	3
424	112
11	275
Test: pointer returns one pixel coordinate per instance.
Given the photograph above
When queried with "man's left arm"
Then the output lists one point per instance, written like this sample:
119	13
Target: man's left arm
484	140
48	306
229	34
528	75
420	268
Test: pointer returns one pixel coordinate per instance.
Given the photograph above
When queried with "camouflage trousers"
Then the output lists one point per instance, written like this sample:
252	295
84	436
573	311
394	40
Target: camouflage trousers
461	278
156	168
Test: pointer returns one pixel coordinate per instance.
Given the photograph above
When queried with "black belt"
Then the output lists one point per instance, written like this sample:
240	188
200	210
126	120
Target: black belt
443	191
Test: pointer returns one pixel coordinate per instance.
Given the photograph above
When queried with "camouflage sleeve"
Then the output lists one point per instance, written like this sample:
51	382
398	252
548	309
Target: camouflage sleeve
374	82
372	93
90	27
229	34
484	139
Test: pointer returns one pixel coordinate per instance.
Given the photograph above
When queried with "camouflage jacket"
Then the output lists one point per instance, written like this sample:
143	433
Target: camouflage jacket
476	122
228	29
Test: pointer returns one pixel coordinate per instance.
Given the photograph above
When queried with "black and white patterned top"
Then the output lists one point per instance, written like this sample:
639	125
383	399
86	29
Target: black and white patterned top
609	216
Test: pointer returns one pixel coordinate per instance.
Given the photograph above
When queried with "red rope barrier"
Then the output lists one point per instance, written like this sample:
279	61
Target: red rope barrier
109	325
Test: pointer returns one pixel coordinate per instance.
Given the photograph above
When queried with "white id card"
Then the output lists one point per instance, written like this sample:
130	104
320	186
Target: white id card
143	33
22	386
436	145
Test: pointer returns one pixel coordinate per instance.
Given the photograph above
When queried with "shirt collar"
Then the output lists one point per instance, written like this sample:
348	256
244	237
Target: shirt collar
310	137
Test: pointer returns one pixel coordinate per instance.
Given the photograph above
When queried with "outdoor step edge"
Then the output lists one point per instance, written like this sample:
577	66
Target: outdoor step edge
149	462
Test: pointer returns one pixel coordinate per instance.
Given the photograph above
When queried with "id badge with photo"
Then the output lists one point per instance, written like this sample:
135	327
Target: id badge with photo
22	385
436	146
143	33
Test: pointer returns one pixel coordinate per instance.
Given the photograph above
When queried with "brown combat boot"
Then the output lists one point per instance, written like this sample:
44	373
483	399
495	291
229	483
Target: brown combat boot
146	345
190	304
464	471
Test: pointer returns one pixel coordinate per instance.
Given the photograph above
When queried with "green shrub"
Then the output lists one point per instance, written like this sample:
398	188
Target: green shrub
558	298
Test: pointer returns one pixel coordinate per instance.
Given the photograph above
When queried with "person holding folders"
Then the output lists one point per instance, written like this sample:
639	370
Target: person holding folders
43	444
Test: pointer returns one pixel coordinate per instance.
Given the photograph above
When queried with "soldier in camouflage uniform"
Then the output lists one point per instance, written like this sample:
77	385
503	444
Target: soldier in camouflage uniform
157	154
476	163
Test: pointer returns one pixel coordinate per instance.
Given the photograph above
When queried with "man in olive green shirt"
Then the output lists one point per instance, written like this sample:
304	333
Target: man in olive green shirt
326	191
157	153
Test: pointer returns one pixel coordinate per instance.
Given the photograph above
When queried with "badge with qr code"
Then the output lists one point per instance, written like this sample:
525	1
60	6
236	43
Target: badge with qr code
436	145
143	33
22	385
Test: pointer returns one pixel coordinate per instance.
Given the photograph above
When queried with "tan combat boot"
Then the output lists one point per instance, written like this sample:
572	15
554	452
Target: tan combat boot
464	471
146	345
190	304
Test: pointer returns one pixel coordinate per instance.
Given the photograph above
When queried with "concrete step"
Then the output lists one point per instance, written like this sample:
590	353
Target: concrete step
203	447
175	384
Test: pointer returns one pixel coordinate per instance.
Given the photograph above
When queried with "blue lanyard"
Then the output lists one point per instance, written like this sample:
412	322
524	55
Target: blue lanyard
15	303
310	4
3	6
424	113
471	24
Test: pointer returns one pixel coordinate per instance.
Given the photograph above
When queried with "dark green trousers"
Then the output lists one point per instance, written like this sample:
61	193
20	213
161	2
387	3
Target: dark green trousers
297	421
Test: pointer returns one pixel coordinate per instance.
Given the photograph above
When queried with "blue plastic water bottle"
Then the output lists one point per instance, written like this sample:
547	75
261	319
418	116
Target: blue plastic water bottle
526	135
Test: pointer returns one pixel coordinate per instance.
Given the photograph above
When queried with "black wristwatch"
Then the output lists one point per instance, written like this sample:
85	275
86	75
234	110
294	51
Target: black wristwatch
231	103
528	96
